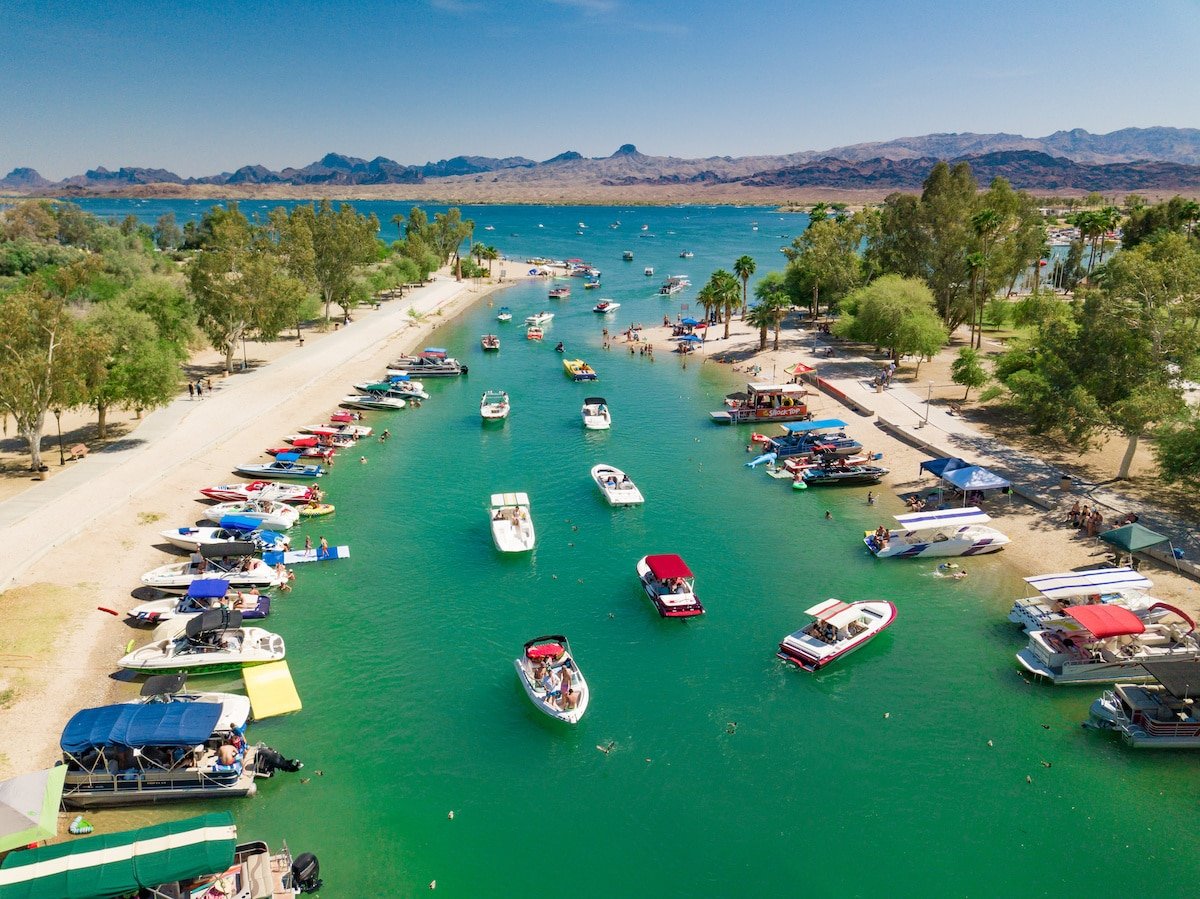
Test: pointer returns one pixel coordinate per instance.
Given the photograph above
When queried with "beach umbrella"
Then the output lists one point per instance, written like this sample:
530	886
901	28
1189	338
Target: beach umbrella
1133	537
690	338
29	807
690	322
799	369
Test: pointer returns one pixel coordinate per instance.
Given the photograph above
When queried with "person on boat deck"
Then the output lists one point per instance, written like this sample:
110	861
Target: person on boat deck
552	684
567	696
202	565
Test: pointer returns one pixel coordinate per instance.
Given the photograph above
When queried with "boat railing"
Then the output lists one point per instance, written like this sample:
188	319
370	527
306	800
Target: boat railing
1156	728
148	781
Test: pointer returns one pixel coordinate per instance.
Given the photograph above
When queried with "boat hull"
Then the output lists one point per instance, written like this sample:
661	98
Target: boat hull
83	791
625	493
812	658
538	696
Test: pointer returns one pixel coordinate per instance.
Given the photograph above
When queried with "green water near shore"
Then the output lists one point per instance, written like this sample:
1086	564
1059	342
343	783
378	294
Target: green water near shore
872	778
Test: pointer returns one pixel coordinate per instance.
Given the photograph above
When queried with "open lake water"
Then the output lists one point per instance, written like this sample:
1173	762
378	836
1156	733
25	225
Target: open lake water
730	774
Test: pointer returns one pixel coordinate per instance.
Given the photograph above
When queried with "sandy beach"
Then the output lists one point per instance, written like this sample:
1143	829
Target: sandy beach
87	548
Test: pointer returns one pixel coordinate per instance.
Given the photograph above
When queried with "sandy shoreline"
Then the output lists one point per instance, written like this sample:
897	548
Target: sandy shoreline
57	651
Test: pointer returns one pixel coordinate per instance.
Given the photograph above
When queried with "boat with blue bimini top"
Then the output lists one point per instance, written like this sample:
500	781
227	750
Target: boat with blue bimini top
286	465
826	437
231	529
268	513
1096	586
212	642
202	596
946	532
764	403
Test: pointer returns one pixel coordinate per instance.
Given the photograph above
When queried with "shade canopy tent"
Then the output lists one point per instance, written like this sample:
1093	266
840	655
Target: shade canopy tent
691	338
938	467
1107	621
690	322
133	725
799	369
29	807
1133	537
975	478
120	864
805	427
1180	677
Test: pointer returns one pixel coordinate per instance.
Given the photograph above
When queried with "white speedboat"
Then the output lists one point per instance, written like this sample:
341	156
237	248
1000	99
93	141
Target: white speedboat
1058	592
161	688
212	643
606	306
1162	715
648	271
552	679
494	406
596	416
330	430
837	629
1103	644
512	526
285	465
504	315
267	512
670	585
202	596
616	486
378	402
946	532
232	562
233	529
272	490
394	387
540	319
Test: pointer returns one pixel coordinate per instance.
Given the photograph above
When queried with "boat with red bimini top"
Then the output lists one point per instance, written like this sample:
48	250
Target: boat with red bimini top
764	402
837	629
670	585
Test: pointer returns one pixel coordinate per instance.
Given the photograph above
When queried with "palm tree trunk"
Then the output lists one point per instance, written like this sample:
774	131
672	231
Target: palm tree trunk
778	325
101	420
762	338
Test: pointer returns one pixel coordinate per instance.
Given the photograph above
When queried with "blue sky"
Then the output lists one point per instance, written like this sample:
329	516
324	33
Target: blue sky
203	87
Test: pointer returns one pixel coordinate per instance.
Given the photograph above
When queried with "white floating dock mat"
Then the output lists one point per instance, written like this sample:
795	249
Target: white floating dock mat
271	689
316	554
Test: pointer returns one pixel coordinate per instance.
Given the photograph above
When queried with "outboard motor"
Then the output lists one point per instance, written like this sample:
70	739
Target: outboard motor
306	873
268	761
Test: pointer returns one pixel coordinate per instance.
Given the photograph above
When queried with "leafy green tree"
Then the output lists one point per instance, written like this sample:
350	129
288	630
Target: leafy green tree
996	312
825	258
771	309
744	267
1178	215
168	307
967	370
341	241
31	220
896	314
167	235
1178	451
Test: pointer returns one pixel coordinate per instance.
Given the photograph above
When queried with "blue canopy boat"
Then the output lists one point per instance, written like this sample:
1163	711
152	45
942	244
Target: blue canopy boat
808	438
202	596
286	465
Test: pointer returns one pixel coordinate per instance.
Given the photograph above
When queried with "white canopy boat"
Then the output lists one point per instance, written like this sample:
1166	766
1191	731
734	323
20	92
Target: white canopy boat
1103	644
285	465
267	512
374	401
494	406
512	526
330	430
837	629
1162	715
202	596
1118	586
233	529
539	319
616	486
232	562
945	532
272	490
670	585
211	643
545	667
596	416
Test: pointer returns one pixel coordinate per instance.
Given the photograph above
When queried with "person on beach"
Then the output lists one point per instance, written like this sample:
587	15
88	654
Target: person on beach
1073	515
208	384
191	391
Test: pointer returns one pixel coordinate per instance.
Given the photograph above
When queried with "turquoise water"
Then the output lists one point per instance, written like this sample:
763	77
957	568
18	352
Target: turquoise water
872	778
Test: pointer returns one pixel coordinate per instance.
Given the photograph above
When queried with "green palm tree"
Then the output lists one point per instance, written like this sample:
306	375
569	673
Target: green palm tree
491	255
707	300
727	293
744	267
771	309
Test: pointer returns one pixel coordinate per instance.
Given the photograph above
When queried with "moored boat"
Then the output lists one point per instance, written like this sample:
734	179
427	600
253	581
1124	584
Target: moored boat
606	306
286	465
595	413
354	430
671	586
1058	592
616	486
826	438
837	629
377	401
230	529
432	362
579	370
212	642
1159	715
203	596
764	403
552	679
840	474
316	451
398	386
268	513
511	523
946	532
494	405
490	342
232	562
268	490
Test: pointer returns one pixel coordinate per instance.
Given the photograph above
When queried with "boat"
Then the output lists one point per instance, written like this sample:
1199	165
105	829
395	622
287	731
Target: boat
286	465
540	319
670	585
543	667
1058	592
627	255
494	405
310	441
826	437
839	473
1159	715
376	400
160	688
512	526
579	370
595	413
490	342
673	285
317	451
591	285
230	529
272	490
232	562
686	254
339	430
1100	644
432	362
616	486
202	596
210	643
648	271
268	513
195	857
606	306
315	509
533	332
397	386
837	629
489	227
559	293
504	315
762	403
947	532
